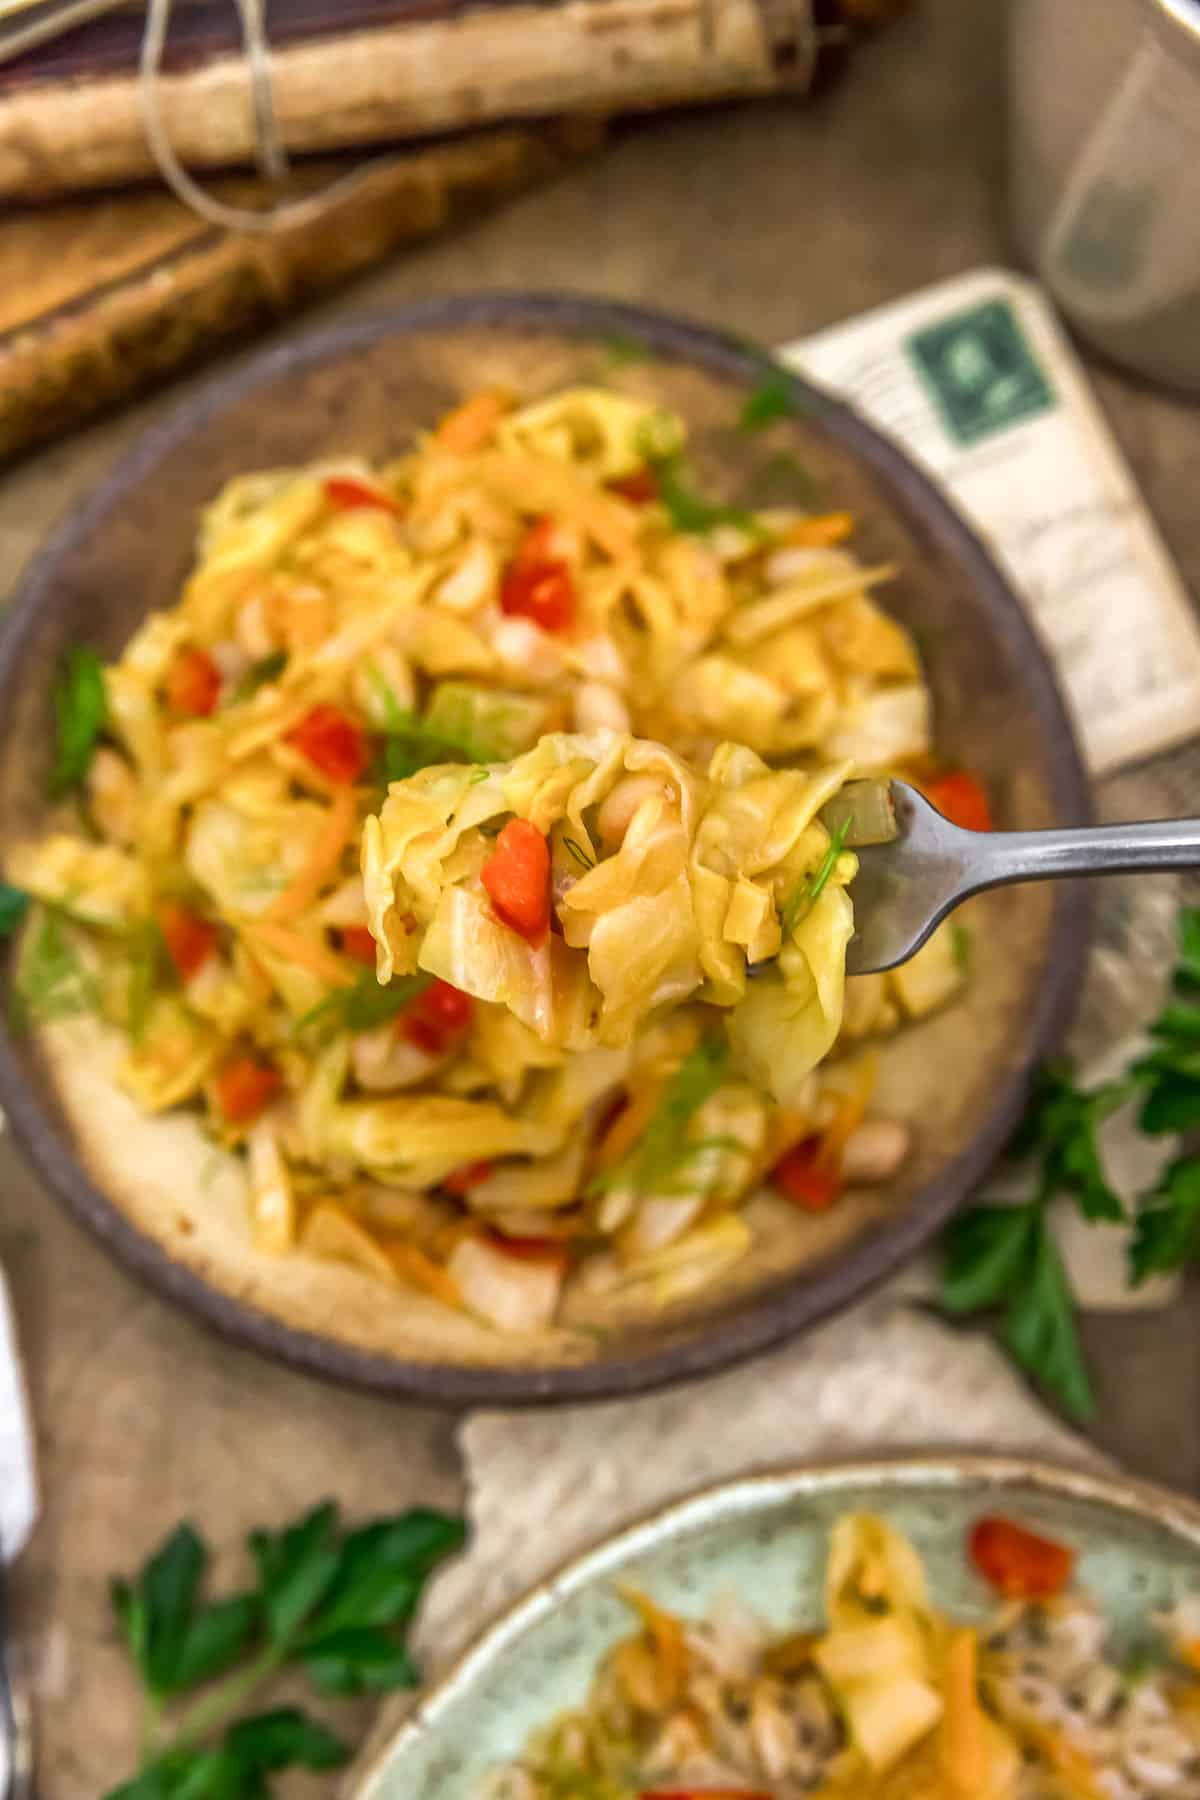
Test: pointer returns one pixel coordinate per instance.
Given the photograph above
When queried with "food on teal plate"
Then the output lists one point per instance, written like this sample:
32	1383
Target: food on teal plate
889	1697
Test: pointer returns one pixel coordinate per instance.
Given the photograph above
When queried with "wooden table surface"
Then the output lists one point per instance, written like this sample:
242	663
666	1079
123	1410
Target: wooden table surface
776	220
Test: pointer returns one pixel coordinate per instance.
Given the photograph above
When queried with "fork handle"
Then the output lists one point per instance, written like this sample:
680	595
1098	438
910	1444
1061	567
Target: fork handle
1006	856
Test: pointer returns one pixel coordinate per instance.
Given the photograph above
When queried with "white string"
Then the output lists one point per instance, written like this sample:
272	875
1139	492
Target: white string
270	153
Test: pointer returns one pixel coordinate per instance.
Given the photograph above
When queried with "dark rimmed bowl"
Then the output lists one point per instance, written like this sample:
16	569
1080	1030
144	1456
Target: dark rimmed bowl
961	1076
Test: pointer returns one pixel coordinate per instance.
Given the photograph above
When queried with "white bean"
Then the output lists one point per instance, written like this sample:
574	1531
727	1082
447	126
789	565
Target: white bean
599	707
472	582
251	629
874	1151
381	1061
526	650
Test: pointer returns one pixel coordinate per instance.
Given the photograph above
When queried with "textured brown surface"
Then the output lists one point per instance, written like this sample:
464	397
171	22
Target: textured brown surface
102	300
776	220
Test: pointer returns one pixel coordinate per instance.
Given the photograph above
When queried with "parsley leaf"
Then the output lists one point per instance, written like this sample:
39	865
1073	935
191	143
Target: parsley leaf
960	945
658	1160
336	1604
1060	1127
1040	1327
771	399
1167	1231
808	891
1005	1257
80	712
14	904
1170	1072
175	1641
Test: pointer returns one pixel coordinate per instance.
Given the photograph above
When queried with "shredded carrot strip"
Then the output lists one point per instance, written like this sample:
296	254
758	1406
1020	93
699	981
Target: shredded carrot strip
1069	1764
961	1745
421	1271
470	425
851	1109
323	859
537	485
821	529
300	949
666	1636
628	1126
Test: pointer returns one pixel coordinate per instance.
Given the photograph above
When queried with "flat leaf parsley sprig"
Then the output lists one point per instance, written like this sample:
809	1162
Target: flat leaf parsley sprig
336	1604
1005	1258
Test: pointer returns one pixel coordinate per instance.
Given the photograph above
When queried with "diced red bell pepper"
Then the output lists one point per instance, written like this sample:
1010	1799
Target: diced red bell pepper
461	1181
1018	1563
357	942
961	797
334	744
348	493
516	877
724	1793
193	684
190	940
538	584
439	1014
641	487
806	1179
245	1087
532	1249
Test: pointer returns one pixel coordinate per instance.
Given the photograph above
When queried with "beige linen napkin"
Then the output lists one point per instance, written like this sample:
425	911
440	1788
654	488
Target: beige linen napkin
884	1377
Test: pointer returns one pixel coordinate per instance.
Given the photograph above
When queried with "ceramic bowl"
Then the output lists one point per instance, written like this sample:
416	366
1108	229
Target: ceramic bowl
145	1186
764	1538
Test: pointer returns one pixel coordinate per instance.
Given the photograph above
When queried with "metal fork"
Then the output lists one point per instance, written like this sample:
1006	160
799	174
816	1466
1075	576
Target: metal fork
907	886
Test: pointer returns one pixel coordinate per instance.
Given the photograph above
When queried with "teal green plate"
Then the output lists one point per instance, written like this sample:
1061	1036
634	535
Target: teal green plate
764	1538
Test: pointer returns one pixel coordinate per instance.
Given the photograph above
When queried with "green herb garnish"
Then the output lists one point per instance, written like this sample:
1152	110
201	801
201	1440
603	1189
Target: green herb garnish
574	848
14	904
659	443
411	743
1170	1073
80	711
783	480
335	1604
150	968
657	1162
623	347
52	981
1060	1128
258	675
1167	1231
1004	1258
361	1007
960	945
807	892
771	399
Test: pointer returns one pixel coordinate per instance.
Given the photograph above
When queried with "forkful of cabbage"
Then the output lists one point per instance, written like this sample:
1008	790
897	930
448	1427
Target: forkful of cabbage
915	866
600	881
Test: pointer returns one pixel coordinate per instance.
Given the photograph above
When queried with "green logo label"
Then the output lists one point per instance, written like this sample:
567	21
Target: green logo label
981	372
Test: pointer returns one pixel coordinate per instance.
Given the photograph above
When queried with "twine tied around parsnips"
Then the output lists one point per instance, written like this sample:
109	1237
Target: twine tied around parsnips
40	21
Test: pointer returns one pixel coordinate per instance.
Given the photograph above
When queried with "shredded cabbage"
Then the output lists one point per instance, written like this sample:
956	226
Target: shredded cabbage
277	876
